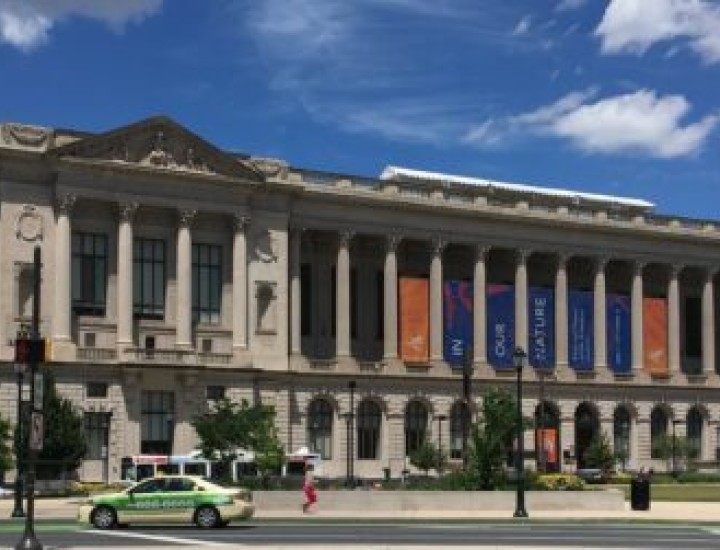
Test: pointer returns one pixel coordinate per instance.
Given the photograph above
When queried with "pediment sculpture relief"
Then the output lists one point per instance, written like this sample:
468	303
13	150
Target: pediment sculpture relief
22	135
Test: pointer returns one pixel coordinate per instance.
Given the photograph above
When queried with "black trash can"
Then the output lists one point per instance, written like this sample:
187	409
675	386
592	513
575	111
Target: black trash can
386	472
640	493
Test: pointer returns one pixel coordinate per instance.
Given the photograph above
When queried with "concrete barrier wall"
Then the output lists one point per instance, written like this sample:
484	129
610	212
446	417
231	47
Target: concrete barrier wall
455	501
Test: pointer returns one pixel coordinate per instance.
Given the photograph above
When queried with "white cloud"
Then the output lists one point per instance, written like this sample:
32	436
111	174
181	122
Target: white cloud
26	24
638	122
523	26
635	25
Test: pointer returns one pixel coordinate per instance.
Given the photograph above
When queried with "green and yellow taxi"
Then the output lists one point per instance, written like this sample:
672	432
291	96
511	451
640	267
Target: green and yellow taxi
165	499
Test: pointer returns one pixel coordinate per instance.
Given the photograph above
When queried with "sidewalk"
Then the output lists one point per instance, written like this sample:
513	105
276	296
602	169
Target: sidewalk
66	509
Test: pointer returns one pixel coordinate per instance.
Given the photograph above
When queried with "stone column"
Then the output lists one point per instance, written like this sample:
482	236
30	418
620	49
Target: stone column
561	312
183	328
240	283
342	296
708	325
390	319
636	315
480	307
295	314
600	315
61	324
674	365
436	296
125	275
521	300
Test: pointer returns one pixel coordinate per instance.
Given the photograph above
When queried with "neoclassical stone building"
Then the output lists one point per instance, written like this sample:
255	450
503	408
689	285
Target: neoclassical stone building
175	273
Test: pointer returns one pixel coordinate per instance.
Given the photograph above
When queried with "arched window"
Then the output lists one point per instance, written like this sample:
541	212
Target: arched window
621	435
416	420
587	430
658	432
320	424
694	432
459	421
369	420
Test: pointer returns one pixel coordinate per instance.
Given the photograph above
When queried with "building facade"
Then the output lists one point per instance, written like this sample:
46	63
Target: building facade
175	274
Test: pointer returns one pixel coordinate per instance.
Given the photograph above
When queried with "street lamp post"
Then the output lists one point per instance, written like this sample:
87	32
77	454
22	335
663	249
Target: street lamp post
350	436
519	356
18	511
541	413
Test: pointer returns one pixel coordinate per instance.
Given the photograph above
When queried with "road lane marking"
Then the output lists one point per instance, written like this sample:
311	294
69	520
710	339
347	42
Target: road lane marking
158	538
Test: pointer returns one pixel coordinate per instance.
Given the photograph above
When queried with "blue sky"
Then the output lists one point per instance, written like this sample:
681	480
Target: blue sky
607	96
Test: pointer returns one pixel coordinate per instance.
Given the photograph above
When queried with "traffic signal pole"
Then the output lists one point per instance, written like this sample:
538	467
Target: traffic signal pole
29	541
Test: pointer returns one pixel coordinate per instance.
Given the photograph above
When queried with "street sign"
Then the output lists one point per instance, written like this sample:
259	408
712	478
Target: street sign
36	431
39	389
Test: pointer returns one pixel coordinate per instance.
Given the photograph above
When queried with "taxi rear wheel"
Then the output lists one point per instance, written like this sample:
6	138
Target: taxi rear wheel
103	517
207	517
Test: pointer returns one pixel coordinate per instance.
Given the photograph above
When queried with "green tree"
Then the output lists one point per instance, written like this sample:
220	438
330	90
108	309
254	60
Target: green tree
64	445
599	454
6	445
491	438
229	427
428	457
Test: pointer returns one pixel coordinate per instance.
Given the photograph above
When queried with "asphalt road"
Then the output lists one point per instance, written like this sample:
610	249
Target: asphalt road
443	534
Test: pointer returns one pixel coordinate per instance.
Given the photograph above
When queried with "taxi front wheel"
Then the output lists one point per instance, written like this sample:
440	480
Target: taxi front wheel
104	517
207	517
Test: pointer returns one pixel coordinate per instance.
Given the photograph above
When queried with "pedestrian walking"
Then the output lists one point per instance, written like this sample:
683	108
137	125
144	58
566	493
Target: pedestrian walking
309	489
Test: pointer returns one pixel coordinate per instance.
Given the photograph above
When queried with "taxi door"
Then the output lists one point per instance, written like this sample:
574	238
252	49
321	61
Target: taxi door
144	504
179	499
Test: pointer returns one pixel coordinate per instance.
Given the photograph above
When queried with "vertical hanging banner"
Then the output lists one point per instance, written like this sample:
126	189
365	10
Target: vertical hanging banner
541	317
457	321
546	443
414	319
618	333
655	337
581	330
500	325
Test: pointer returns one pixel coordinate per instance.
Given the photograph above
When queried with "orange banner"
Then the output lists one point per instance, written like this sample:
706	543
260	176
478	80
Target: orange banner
547	445
655	336
414	319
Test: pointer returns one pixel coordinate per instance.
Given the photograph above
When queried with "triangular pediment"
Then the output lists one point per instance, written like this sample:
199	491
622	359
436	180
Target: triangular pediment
162	144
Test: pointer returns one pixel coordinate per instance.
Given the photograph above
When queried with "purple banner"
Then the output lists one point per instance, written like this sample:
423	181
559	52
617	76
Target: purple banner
500	325
457	320
541	327
618	333
581	330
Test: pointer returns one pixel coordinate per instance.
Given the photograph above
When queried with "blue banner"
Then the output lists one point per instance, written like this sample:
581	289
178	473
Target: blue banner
618	333
500	325
457	321
581	349
541	327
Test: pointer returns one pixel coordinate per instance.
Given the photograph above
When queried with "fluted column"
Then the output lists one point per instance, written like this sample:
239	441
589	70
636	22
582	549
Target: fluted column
561	311
521	300
240	283
61	323
636	316
436	295
480	306
295	301
125	274
183	318
342	298
390	315
674	364
708	324
600	315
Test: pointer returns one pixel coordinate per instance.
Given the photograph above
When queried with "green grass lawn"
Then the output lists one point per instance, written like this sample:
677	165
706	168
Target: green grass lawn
680	492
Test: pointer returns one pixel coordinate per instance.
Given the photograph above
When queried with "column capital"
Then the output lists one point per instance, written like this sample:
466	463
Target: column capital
241	221
65	202
638	267
392	241
481	251
601	262
345	236
186	216
437	245
563	258
127	210
675	270
522	255
710	272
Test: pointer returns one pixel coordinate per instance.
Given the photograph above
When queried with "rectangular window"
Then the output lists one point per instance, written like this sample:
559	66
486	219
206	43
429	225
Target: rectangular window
306	300
97	390
89	255
215	393
97	427
207	283
149	278
157	409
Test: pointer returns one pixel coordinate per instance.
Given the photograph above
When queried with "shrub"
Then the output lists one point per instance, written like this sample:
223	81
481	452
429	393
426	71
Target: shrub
559	482
621	478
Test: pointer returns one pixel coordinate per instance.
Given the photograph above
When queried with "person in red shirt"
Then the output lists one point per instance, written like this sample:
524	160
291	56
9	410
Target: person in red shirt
309	489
